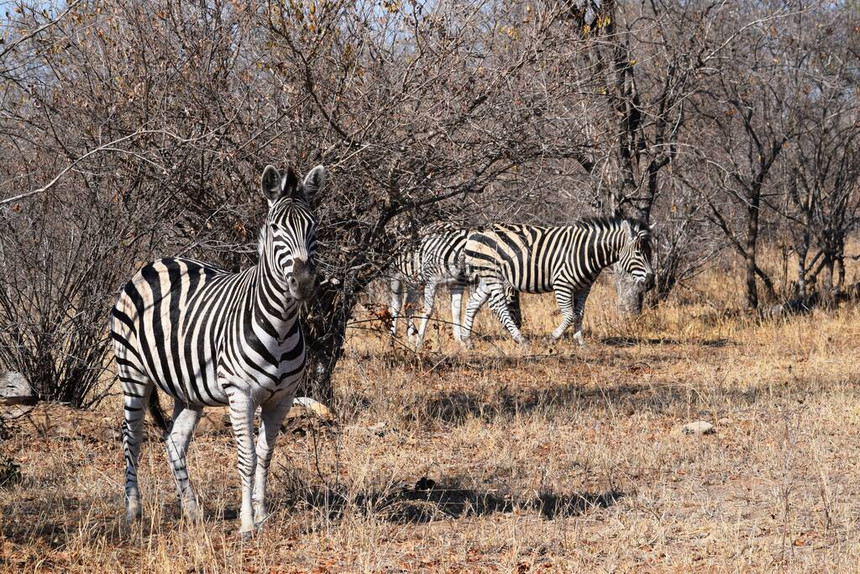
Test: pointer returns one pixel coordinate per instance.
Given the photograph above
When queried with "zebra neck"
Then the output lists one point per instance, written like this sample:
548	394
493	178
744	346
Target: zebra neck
614	239
605	248
272	301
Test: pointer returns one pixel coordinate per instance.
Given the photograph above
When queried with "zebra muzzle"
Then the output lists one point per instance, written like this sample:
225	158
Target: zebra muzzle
649	281
303	282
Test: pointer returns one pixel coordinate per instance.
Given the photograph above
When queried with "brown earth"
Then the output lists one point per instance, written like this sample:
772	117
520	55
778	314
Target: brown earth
550	458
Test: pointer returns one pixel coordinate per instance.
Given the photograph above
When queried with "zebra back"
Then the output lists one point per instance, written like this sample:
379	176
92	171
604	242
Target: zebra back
535	258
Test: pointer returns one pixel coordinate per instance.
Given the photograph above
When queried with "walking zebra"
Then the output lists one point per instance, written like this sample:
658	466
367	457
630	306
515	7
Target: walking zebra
565	260
208	337
438	261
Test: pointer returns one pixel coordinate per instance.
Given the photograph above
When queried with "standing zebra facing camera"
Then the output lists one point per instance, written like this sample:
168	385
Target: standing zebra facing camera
565	260
208	337
436	262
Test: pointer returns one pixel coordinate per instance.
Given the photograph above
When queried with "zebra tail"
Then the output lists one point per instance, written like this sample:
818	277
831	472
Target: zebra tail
158	414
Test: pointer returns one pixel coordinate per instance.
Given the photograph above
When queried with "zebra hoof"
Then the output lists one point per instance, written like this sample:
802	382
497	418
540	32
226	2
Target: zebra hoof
466	343
132	511
133	515
192	515
246	536
191	508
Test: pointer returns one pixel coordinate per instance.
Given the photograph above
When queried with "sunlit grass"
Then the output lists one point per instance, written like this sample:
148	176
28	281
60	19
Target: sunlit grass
546	456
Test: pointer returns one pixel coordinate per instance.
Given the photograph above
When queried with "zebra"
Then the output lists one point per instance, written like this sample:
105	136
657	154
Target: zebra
565	260
209	337
437	262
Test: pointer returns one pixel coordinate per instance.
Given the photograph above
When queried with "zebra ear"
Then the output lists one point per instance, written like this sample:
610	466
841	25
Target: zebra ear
314	181
628	230
271	184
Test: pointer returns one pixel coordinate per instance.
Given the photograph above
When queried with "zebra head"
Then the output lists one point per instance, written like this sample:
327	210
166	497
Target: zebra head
635	256
288	241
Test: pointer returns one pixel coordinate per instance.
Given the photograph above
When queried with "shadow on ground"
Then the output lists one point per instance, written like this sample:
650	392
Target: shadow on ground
539	351
456	407
673	399
426	501
636	341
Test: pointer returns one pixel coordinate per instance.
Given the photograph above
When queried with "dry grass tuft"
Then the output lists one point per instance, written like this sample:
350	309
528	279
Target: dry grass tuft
503	458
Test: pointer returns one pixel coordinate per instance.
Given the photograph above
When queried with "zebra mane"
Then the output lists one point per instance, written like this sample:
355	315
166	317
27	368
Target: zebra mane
608	222
439	227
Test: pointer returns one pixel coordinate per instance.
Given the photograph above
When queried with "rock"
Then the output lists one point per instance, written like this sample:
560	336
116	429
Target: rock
698	427
304	407
13	412
307	413
15	389
725	421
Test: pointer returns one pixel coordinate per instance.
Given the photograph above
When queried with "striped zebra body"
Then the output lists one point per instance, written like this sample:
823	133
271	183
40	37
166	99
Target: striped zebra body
565	260
208	337
437	262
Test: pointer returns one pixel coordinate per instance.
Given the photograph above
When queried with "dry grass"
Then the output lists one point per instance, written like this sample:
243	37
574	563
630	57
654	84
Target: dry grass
556	458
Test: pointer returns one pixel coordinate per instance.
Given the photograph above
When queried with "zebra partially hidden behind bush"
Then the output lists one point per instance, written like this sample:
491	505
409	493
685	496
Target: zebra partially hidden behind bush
208	337
565	260
436	262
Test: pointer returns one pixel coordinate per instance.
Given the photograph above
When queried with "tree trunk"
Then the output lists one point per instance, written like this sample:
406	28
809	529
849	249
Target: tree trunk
630	293
827	298
840	265
750	254
325	331
802	253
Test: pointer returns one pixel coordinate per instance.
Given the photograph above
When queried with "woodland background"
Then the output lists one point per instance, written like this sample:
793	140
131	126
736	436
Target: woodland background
136	129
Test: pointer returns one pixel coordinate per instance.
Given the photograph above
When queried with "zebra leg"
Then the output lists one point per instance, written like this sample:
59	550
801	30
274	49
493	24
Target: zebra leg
578	312
429	302
136	389
242	418
476	300
409	313
499	306
456	306
564	298
185	419
512	300
271	417
396	303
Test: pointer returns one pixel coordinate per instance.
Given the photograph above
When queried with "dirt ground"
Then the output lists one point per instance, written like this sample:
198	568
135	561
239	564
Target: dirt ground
501	458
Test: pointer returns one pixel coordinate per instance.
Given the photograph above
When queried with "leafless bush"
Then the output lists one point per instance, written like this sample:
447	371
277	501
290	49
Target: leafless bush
136	129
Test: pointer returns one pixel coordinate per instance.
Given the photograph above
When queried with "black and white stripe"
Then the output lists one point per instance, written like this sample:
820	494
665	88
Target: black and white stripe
206	336
564	260
438	261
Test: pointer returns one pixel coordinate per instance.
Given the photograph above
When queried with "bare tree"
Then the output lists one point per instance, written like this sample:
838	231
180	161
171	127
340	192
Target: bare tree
821	202
645	61
746	120
133	129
